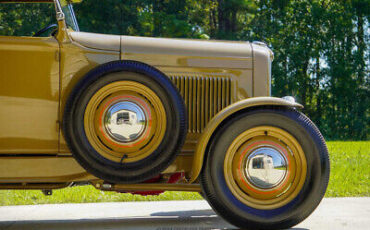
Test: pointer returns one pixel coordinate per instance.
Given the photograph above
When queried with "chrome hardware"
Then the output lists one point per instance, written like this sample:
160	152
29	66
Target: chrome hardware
125	121
289	98
266	167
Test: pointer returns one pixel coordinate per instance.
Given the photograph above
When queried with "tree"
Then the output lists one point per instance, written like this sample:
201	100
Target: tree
321	46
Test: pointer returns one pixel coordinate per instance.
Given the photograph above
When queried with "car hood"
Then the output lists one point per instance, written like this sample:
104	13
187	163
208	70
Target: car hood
97	41
170	46
185	47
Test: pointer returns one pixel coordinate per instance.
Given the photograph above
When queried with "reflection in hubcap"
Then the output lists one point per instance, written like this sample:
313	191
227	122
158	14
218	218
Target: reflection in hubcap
125	121
266	167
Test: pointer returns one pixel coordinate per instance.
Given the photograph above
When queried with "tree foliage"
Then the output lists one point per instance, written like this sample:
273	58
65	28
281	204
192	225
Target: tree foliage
25	19
321	46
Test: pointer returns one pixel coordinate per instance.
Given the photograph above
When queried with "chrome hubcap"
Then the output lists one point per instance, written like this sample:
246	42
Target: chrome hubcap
266	167
125	121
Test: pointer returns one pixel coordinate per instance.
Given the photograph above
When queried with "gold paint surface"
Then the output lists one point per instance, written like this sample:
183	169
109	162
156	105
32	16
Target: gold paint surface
29	95
41	169
76	61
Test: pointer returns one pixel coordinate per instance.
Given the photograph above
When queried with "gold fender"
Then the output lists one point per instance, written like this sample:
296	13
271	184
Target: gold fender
223	115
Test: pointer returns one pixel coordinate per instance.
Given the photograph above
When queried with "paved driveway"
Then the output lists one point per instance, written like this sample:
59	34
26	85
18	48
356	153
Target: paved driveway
336	214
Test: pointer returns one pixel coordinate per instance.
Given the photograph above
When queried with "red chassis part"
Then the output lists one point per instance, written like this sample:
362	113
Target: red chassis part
174	178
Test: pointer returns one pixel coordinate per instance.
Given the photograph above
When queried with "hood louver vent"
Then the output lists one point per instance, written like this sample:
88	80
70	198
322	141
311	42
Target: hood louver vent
204	97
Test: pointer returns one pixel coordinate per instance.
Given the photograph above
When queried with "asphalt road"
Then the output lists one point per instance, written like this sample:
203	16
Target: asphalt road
336	214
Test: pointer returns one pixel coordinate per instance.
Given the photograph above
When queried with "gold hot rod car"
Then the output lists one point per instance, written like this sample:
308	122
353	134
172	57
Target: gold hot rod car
142	115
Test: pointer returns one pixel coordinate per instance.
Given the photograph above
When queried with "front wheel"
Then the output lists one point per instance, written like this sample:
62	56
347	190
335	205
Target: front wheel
266	168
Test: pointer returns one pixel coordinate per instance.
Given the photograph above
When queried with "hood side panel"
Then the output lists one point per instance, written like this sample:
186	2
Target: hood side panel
210	75
189	58
97	41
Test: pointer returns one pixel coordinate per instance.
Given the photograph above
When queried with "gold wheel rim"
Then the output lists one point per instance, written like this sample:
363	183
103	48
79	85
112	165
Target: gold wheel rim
244	188
142	98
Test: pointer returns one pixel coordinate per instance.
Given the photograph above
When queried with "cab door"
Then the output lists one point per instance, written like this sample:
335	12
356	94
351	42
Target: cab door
29	91
29	95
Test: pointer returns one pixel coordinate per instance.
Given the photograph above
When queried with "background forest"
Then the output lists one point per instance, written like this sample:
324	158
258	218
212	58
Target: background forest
321	46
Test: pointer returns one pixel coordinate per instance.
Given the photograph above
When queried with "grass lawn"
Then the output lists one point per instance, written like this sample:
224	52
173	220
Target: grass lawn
350	176
350	169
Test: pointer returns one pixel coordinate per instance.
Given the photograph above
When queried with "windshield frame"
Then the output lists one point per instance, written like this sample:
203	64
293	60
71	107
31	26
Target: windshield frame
73	19
65	12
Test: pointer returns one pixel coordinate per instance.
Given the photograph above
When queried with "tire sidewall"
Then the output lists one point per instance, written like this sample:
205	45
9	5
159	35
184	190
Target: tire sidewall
128	172
312	191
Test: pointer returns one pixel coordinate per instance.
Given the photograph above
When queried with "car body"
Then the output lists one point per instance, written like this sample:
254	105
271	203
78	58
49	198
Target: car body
216	79
43	92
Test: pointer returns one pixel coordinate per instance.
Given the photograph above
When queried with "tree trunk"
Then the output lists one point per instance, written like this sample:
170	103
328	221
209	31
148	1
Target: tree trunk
318	93
157	8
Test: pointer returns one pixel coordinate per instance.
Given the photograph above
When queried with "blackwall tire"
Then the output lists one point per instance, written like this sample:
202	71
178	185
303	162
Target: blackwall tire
243	200
125	122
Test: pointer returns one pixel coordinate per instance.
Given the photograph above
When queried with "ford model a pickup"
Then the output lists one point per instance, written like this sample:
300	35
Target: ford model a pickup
137	114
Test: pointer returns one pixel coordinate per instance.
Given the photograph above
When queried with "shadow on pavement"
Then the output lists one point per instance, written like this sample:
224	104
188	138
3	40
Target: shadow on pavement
137	223
179	220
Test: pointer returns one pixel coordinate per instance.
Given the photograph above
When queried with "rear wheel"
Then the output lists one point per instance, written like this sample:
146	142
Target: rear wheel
266	169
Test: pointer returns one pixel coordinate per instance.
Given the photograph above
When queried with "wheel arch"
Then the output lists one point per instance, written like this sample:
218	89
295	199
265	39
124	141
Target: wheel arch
217	121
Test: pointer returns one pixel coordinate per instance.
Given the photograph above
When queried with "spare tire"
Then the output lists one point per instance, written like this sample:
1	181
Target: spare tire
125	122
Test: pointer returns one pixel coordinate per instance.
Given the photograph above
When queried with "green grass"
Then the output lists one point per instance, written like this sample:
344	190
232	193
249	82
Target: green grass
350	176
350	169
84	194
